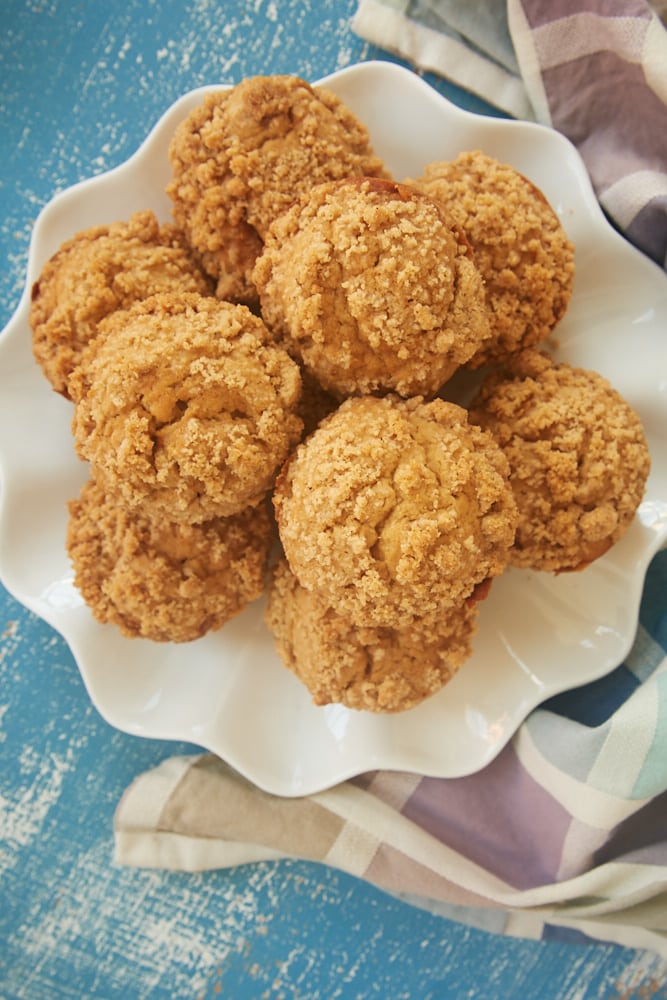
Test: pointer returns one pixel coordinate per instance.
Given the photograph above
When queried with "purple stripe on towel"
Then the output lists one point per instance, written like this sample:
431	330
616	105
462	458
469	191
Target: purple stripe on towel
641	838
648	229
539	12
499	818
595	101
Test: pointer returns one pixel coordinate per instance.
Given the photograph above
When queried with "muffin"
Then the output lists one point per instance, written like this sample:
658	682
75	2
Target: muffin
187	409
370	669
520	246
394	510
365	283
244	155
98	271
577	454
161	580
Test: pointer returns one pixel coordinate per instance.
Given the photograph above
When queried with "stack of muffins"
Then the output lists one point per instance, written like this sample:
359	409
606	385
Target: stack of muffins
259	390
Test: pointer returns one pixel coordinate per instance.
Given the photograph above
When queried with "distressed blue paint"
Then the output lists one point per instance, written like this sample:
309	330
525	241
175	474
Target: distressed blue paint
80	86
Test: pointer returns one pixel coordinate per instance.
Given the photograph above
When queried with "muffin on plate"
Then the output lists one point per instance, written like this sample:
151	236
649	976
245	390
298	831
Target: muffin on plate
379	669
365	283
394	510
161	580
577	455
242	156
520	246
98	271
187	409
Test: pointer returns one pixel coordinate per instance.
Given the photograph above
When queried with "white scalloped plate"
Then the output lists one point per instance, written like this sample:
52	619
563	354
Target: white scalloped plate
539	634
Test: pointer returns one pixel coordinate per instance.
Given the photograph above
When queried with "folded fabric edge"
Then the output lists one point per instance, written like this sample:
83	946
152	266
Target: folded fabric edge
179	853
616	902
611	887
183	852
143	800
529	64
432	51
536	924
351	844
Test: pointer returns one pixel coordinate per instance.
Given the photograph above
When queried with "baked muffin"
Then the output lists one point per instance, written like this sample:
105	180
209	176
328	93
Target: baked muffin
99	270
244	155
577	454
394	510
365	283
520	247
160	580
370	669
187	409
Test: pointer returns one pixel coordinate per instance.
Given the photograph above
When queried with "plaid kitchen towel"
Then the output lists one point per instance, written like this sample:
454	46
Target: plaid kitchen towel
596	70
567	828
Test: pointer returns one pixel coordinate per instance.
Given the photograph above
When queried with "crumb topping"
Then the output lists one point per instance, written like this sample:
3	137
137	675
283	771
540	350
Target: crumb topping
395	508
162	580
367	285
520	247
187	407
577	454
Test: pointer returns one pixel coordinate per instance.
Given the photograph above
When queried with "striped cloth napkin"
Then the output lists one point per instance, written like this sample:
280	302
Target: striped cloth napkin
566	831
596	70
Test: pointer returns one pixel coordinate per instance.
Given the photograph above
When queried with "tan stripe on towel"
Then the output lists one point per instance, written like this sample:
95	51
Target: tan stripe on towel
214	801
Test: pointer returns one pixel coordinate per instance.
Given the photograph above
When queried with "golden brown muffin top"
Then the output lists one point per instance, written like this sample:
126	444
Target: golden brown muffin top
394	509
187	407
365	282
245	154
520	247
99	270
577	455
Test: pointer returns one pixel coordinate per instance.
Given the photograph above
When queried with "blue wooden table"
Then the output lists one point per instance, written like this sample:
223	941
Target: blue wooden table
80	86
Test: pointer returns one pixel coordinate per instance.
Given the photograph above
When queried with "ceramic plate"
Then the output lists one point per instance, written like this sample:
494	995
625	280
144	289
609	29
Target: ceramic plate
539	634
